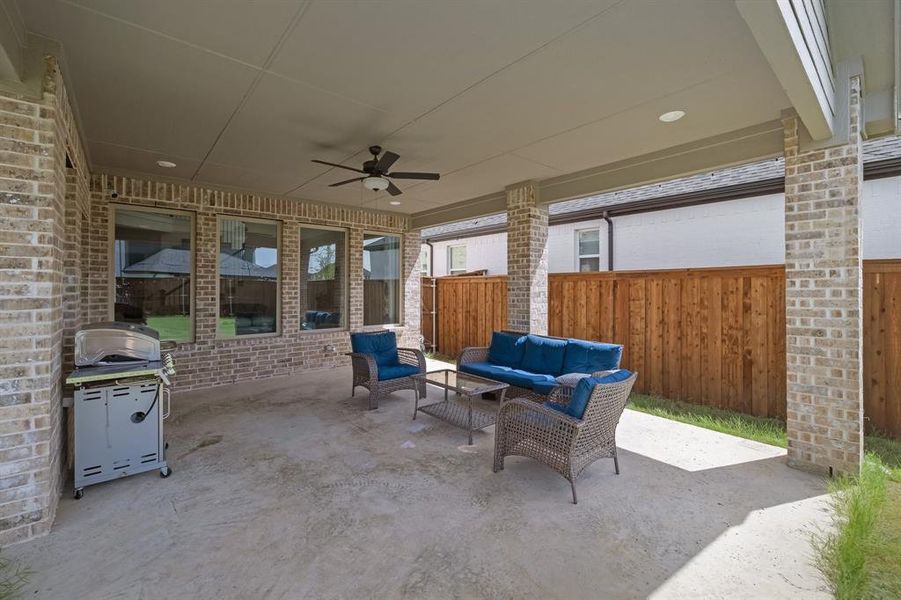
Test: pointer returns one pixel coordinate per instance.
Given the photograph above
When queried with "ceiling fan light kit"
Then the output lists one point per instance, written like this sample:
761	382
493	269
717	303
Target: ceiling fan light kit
375	172
376	184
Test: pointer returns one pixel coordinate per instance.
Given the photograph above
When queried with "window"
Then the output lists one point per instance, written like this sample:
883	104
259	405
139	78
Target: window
588	250
152	266
425	260
381	279
248	277
456	259
323	278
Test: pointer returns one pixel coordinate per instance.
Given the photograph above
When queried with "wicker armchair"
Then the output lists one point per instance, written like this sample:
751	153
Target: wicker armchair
562	442
366	374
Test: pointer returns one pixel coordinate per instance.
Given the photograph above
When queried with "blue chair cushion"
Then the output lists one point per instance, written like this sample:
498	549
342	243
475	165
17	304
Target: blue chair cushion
397	371
517	377
590	357
382	346
582	394
506	349
543	355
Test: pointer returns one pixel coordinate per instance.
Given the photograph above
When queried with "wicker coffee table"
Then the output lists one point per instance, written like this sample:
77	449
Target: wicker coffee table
464	407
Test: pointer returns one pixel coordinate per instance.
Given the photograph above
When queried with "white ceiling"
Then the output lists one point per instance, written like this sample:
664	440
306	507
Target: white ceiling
488	93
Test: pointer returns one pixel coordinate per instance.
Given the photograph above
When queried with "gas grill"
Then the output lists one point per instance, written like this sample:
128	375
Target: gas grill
121	379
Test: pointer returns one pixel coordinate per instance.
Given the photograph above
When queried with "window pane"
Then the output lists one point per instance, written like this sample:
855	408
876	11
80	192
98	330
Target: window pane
589	242
381	279
589	264
323	279
152	262
457	259
248	277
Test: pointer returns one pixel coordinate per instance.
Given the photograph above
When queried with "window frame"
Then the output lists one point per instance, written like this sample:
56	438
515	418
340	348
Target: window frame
115	207
579	256
400	279
346	305
450	248
278	280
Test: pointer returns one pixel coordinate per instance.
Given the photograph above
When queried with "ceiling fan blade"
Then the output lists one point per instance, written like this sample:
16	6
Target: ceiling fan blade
322	162
393	189
409	175
385	162
347	181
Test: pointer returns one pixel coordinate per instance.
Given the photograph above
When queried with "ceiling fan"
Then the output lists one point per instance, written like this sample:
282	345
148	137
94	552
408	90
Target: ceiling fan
375	172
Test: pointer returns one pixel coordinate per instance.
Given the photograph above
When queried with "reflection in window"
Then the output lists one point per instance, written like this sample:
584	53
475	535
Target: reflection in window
248	277
381	279
323	278
152	269
589	243
456	259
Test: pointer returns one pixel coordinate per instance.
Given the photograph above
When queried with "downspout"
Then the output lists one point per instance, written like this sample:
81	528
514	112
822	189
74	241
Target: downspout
607	218
434	286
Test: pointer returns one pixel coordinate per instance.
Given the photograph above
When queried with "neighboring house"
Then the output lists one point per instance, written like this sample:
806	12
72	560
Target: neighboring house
747	230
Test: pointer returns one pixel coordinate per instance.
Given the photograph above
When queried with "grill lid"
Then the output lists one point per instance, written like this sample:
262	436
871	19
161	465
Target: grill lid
115	343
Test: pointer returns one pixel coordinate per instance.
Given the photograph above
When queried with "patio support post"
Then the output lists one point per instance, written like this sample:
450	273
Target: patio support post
823	299
411	277
526	259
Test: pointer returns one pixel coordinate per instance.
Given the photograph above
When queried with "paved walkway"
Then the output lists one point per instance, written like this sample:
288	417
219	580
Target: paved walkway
289	488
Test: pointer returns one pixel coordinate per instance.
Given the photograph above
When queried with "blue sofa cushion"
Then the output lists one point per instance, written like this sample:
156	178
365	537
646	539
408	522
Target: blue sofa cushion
543	355
517	377
382	346
579	401
590	357
396	371
506	349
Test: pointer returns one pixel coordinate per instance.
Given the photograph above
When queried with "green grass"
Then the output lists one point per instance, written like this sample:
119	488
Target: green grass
226	327
442	357
171	327
768	431
862	558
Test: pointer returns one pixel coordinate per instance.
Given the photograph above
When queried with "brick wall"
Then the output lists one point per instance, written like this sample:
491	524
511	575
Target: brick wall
209	361
36	134
823	299
526	259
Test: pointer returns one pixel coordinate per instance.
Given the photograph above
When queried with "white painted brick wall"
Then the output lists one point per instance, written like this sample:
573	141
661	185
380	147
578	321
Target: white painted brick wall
750	231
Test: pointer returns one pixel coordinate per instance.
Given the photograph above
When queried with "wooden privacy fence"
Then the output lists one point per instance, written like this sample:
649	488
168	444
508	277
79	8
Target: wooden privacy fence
882	345
709	336
468	310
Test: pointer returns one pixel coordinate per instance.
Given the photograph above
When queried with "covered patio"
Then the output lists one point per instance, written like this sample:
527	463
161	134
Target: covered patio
289	488
185	166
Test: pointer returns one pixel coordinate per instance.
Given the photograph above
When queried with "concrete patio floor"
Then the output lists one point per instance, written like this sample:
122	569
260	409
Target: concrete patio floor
289	488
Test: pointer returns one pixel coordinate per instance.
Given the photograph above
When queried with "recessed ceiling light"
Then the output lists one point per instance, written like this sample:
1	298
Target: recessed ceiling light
394	202
671	116
166	164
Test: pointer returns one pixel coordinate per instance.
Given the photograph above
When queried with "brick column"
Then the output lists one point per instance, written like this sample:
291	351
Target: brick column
823	299
355	279
411	278
526	259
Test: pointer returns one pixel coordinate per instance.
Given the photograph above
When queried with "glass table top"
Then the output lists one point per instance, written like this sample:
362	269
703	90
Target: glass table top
461	382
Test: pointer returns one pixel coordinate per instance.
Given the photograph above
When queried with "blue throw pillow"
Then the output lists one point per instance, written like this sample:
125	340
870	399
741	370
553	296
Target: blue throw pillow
506	349
582	394
590	357
543	355
382	346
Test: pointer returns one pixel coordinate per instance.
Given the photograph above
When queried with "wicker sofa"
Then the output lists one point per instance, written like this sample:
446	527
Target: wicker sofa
531	364
381	367
573	428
